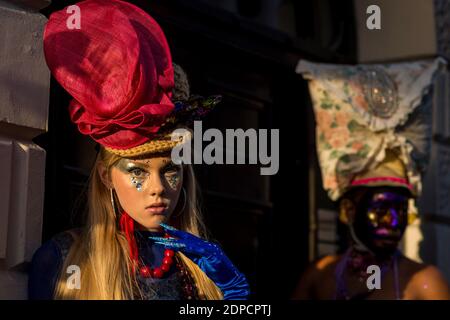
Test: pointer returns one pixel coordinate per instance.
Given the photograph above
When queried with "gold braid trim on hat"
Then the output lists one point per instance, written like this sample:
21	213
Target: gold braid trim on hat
159	144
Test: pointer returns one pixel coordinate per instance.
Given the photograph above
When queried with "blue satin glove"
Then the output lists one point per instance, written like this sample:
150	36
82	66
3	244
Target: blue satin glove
211	259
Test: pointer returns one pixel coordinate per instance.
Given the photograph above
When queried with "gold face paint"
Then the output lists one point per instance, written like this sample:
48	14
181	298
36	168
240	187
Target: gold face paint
139	172
173	177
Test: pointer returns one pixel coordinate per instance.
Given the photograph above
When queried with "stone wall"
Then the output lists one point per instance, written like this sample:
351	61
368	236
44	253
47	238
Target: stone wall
24	98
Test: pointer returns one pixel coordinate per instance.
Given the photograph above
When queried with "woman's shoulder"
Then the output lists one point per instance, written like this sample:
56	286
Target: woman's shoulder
64	240
47	262
59	245
52	248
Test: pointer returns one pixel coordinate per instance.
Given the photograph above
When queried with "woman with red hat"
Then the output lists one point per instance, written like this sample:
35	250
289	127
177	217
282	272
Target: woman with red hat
144	236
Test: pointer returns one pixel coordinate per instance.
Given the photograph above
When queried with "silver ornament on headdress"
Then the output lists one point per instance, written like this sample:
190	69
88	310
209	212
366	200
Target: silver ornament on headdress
380	91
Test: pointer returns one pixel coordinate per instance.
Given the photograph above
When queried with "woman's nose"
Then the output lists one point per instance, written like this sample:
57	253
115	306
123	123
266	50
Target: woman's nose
156	186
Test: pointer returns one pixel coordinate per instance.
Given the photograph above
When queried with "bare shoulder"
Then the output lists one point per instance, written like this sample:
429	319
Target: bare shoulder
322	266
318	270
327	261
426	282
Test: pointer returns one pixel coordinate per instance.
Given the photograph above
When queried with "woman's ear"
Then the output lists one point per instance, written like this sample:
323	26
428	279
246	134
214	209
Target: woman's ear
104	175
347	211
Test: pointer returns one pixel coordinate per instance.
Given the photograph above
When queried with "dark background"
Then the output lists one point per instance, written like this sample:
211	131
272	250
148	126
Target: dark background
266	224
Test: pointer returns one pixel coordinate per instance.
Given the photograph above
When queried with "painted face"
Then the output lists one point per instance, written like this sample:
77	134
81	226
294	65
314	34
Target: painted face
141	183
381	220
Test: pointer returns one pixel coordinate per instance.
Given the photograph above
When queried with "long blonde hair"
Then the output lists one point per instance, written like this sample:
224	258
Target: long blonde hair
101	249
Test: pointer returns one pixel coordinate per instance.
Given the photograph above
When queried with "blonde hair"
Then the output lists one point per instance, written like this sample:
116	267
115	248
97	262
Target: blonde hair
102	253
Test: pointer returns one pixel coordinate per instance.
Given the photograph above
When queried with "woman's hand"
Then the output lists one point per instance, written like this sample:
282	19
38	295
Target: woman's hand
211	259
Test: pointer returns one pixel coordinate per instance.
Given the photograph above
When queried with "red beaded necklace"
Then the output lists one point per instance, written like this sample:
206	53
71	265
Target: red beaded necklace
158	272
127	226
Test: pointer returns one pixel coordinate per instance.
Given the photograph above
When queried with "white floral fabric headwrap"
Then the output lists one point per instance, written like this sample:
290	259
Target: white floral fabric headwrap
363	111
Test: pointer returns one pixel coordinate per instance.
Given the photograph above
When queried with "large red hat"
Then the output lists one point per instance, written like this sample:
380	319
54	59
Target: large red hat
118	68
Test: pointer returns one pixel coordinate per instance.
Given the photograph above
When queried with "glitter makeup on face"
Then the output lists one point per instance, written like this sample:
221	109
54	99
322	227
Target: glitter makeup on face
137	174
387	209
137	183
173	180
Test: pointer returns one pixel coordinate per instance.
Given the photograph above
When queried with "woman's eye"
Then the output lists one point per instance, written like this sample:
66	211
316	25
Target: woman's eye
137	172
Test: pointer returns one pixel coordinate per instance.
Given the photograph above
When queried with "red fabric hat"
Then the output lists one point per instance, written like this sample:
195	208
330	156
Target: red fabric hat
117	67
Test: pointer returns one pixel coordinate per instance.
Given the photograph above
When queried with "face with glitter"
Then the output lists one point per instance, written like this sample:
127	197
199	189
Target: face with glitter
148	189
381	219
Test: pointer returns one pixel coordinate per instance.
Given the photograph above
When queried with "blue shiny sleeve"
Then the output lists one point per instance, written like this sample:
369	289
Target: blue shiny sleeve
211	259
43	272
